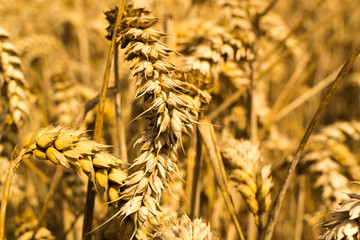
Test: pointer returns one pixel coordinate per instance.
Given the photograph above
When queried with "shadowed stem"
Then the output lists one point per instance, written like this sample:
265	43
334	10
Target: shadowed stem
14	164
252	132
195	191
119	101
208	135
269	229
90	195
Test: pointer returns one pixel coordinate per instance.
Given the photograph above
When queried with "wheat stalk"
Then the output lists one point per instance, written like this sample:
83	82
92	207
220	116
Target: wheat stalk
168	107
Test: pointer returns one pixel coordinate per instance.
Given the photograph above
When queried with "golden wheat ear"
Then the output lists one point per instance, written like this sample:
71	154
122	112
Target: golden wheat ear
168	107
15	97
183	229
69	148
251	176
330	160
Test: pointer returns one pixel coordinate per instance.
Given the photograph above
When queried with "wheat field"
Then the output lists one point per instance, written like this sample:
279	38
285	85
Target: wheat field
189	120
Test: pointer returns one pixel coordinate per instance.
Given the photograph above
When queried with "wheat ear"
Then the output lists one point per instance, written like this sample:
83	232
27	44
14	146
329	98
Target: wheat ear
168	107
183	229
252	177
330	159
13	85
68	147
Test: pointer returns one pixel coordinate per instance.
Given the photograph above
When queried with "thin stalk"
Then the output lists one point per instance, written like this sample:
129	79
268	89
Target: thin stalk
208	135
195	191
268	8
293	80
119	101
54	184
14	164
226	104
90	195
303	98
252	129
90	105
269	229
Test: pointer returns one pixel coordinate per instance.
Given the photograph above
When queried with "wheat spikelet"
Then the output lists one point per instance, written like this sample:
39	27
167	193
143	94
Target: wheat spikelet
345	220
168	107
69	148
184	229
251	176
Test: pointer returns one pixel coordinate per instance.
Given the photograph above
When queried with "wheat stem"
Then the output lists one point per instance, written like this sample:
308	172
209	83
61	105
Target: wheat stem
252	126
208	136
9	177
119	101
90	195
195	191
269	229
